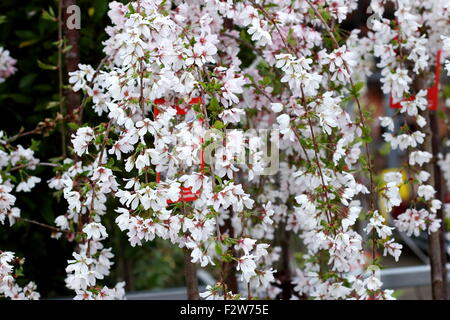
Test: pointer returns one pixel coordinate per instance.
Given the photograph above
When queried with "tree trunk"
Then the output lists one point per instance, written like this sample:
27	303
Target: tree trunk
229	268
284	275
435	239
190	273
438	255
72	59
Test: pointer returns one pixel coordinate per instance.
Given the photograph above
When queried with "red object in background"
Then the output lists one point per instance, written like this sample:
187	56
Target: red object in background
186	194
447	197
432	93
398	105
180	111
396	211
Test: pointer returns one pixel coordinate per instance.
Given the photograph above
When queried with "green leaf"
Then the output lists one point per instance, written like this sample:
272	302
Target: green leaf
18	272
358	86
73	125
218	249
51	105
48	15
35	145
19	98
28	43
110	162
385	149
227	257
45	66
26	34
219	179
213	104
66	49
290	38
131	8
27	80
218	124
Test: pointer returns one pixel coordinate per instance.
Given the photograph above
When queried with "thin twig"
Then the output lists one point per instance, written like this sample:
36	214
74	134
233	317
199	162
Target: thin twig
41	224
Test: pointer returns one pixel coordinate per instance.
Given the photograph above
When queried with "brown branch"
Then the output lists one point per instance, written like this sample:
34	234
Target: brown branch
55	229
43	164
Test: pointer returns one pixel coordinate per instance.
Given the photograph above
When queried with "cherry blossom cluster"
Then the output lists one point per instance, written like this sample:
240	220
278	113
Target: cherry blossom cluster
174	147
16	168
86	190
407	56
158	67
7	64
171	74
8	286
317	197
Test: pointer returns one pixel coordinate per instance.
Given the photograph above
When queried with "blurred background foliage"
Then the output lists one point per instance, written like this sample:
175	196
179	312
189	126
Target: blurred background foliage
26	98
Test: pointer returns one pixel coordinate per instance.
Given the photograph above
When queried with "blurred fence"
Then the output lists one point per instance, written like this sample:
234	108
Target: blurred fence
392	278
